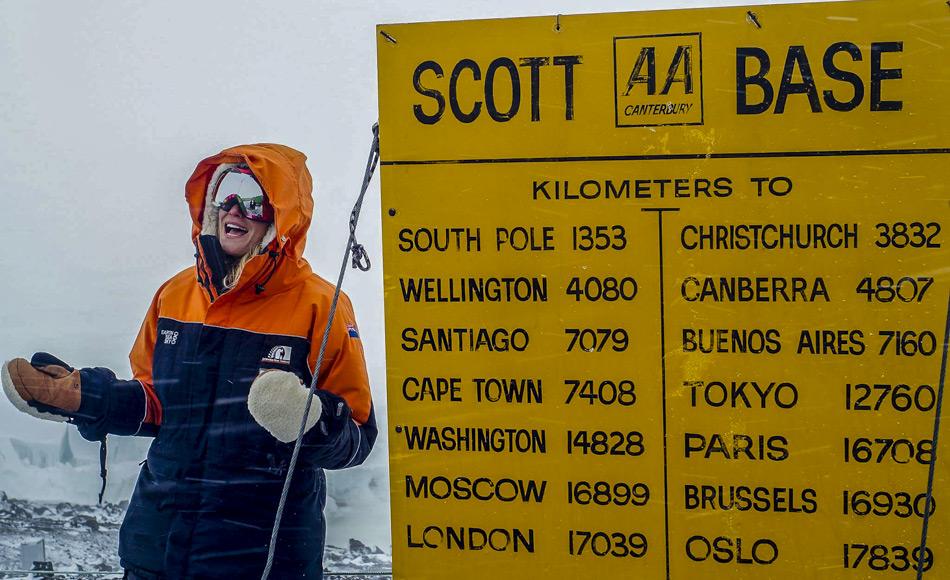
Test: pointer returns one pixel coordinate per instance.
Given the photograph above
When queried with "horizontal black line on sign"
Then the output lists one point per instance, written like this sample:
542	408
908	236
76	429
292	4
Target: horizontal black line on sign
657	157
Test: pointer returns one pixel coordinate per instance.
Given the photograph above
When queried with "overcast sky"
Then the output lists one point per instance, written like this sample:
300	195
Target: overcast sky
106	107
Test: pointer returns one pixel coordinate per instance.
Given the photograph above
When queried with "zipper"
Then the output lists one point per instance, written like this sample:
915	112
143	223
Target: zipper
204	277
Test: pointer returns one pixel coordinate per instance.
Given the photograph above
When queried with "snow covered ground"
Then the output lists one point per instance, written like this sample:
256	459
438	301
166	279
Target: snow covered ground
85	538
49	489
77	537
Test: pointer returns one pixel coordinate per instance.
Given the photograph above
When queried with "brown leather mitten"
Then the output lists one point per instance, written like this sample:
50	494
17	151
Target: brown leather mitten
46	391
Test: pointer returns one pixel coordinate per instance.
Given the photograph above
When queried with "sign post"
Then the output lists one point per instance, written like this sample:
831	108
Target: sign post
666	293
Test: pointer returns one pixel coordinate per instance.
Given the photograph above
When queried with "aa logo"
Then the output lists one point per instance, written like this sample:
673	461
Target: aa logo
658	80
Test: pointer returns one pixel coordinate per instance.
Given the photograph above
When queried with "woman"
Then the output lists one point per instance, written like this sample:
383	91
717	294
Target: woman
219	367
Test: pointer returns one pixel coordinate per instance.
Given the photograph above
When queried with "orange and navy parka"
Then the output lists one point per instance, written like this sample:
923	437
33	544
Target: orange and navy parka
206	497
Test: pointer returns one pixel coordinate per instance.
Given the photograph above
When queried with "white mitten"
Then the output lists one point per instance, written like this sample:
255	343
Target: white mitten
277	400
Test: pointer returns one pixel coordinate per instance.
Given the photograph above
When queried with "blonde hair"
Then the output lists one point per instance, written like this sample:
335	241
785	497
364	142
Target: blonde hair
232	277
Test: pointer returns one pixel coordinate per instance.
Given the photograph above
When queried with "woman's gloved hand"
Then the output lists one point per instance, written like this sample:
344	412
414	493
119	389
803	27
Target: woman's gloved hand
277	400
44	387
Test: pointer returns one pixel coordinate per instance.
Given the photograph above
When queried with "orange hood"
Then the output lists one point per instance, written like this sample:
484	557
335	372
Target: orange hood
283	174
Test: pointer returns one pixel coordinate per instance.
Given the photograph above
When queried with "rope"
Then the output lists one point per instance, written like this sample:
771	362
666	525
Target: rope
103	452
358	261
933	458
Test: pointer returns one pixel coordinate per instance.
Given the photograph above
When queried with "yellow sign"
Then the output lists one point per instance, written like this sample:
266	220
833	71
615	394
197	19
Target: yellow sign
666	293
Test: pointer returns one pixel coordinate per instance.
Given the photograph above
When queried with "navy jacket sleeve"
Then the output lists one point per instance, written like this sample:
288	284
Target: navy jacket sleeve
109	405
338	441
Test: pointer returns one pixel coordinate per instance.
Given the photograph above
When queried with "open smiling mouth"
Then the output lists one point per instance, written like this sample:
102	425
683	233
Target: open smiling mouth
234	231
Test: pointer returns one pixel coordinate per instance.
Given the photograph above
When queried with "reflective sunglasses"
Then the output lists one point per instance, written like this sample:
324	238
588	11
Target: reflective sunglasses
239	187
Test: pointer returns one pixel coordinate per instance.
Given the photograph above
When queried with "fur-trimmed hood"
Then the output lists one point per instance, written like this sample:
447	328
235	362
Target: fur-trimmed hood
283	174
209	223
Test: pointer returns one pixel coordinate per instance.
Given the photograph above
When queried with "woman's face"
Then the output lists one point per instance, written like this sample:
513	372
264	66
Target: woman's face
237	233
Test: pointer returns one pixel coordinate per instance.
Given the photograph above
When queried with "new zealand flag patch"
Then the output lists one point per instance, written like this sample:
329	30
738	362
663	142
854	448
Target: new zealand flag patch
351	330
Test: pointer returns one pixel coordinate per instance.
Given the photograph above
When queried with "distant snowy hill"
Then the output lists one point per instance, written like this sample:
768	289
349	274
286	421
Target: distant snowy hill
68	469
358	504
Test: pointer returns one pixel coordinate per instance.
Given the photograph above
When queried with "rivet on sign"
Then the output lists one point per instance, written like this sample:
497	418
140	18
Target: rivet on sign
392	212
388	36
753	18
557	22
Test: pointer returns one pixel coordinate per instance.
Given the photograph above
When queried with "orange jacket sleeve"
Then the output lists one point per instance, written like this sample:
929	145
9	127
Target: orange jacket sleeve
342	376
343	371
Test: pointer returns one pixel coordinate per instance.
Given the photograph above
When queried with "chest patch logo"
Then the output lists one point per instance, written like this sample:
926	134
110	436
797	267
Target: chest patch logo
171	336
278	354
